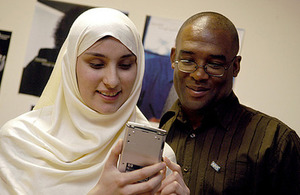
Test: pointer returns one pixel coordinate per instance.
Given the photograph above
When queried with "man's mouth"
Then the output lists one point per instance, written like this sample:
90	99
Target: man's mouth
198	89
197	92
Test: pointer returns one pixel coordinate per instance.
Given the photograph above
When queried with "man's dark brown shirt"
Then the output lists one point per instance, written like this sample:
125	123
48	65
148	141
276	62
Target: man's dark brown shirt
236	150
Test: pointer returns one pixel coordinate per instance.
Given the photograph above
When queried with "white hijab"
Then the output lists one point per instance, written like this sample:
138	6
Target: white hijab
61	146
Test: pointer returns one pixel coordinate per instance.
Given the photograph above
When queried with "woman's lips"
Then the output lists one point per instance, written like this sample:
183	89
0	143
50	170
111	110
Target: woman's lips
109	96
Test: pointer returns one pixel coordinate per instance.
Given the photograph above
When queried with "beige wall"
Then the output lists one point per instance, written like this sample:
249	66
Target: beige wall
269	78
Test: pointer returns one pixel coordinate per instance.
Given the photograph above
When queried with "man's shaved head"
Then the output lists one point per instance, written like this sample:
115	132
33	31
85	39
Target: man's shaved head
213	21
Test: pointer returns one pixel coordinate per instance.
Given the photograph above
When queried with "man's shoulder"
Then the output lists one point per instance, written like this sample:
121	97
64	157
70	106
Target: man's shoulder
169	117
166	119
257	113
261	120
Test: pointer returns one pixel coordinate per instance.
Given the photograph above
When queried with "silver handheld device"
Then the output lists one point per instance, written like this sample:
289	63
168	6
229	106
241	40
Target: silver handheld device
143	145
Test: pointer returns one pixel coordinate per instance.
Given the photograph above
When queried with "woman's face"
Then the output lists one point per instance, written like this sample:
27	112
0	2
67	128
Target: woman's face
106	73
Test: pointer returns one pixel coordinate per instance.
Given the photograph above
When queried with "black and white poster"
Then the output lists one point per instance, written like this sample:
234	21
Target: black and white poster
51	23
158	39
5	37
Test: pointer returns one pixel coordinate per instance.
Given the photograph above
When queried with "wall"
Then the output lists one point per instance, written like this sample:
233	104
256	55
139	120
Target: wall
270	67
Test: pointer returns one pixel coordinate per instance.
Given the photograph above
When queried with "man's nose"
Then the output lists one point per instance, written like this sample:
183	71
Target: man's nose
199	73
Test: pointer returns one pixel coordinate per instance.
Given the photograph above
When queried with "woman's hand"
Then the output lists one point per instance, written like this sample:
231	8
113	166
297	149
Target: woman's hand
173	183
112	181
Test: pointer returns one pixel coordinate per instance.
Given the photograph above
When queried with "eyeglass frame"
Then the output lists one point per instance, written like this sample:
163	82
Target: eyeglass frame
205	67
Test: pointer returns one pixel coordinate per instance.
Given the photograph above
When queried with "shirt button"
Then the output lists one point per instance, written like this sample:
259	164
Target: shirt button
193	135
185	169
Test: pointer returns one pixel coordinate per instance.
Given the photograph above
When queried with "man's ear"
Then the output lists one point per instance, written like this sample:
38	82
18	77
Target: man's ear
236	65
172	56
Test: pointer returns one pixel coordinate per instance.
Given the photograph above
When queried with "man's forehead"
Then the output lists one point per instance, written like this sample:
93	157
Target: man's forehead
203	33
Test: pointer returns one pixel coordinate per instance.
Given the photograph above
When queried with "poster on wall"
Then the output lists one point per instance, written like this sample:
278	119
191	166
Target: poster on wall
4	45
158	93
51	23
158	39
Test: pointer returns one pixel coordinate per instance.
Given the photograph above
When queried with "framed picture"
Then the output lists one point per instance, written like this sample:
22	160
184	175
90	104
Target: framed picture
5	37
51	23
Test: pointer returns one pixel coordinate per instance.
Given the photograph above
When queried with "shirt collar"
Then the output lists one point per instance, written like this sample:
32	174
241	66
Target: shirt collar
223	113
226	110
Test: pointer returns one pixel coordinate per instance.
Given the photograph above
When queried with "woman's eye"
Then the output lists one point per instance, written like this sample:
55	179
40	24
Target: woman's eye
125	66
97	65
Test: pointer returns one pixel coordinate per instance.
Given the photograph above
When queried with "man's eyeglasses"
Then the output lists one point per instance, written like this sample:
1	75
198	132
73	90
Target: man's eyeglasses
216	70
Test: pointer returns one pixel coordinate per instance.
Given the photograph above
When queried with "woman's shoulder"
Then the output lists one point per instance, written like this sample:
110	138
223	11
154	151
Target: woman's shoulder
24	122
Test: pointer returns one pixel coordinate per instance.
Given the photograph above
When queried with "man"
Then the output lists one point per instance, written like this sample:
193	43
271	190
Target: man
222	146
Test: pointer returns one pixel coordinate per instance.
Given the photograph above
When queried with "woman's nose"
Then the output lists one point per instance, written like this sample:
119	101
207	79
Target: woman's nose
111	78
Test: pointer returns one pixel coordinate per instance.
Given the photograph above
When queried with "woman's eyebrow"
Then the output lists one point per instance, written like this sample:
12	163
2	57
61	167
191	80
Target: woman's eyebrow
101	55
95	54
128	55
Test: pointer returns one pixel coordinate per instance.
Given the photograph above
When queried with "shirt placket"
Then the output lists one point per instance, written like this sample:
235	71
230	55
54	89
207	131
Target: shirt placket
188	156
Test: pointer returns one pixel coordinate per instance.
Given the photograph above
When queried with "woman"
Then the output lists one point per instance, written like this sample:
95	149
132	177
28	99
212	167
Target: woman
64	146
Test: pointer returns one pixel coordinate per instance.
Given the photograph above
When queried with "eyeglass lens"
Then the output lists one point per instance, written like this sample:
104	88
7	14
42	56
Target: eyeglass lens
211	69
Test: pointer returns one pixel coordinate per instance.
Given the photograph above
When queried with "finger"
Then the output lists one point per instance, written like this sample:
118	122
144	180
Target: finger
173	166
172	179
173	189
145	172
150	187
174	182
114	154
174	176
